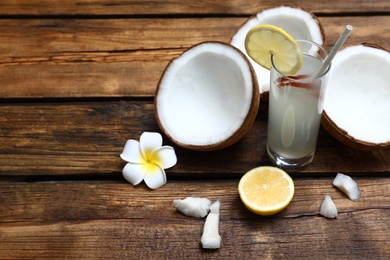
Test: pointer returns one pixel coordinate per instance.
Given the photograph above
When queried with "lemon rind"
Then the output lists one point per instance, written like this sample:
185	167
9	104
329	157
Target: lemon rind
285	35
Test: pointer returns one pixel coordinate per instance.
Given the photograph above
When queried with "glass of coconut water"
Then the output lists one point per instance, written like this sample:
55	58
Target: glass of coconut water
295	108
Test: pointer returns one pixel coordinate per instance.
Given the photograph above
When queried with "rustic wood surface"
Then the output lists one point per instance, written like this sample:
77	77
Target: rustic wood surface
78	79
123	57
99	219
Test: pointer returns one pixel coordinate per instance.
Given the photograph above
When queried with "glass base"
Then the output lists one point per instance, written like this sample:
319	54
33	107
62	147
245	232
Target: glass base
287	163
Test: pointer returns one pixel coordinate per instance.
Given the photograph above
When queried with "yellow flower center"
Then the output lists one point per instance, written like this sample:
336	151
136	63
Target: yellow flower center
151	161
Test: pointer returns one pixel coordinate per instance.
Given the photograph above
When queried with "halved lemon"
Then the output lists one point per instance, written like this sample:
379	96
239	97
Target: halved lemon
266	190
263	41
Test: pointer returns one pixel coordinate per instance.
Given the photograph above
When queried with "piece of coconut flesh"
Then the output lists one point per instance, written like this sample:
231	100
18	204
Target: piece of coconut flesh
358	93
204	96
193	206
210	236
347	185
328	209
298	23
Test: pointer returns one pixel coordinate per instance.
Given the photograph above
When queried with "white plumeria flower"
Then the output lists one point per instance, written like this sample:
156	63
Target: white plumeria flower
147	160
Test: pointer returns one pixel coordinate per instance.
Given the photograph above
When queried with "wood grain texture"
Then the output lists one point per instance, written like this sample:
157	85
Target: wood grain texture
117	220
174	7
78	79
123	57
86	138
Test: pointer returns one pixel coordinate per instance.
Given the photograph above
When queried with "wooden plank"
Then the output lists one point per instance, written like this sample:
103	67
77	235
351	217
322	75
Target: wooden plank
122	57
104	220
222	7
87	138
46	40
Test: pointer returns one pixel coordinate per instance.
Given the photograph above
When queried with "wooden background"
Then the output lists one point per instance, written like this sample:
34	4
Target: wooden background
78	79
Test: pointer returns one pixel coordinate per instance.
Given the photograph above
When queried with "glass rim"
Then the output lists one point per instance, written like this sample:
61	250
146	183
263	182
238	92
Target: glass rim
309	78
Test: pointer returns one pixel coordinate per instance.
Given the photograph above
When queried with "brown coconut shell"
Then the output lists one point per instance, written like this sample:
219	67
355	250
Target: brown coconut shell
341	135
265	95
292	6
240	132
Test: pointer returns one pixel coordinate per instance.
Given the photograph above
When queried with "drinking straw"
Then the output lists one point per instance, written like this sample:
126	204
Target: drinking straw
335	49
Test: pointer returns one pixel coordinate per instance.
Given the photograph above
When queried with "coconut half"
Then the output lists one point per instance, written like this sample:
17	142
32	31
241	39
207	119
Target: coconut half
297	22
357	104
208	97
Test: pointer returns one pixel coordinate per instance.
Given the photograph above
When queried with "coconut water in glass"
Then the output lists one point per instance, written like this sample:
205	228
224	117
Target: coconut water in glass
295	109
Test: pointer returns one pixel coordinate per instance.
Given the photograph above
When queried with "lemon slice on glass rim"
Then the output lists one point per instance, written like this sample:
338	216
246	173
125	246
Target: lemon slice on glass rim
266	40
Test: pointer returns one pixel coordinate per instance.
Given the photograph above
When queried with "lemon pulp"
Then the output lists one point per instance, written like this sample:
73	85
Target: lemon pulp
266	190
264	41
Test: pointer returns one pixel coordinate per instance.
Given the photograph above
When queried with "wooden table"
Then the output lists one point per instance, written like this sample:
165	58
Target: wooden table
78	79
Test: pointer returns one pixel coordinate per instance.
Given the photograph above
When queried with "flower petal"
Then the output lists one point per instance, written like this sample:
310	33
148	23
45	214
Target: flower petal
132	152
166	157
149	141
155	178
134	173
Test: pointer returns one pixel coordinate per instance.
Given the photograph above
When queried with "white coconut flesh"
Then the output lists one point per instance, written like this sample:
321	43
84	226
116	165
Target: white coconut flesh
358	94
205	95
298	23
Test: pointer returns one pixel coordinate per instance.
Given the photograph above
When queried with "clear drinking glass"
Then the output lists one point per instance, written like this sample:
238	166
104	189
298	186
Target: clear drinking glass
295	109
